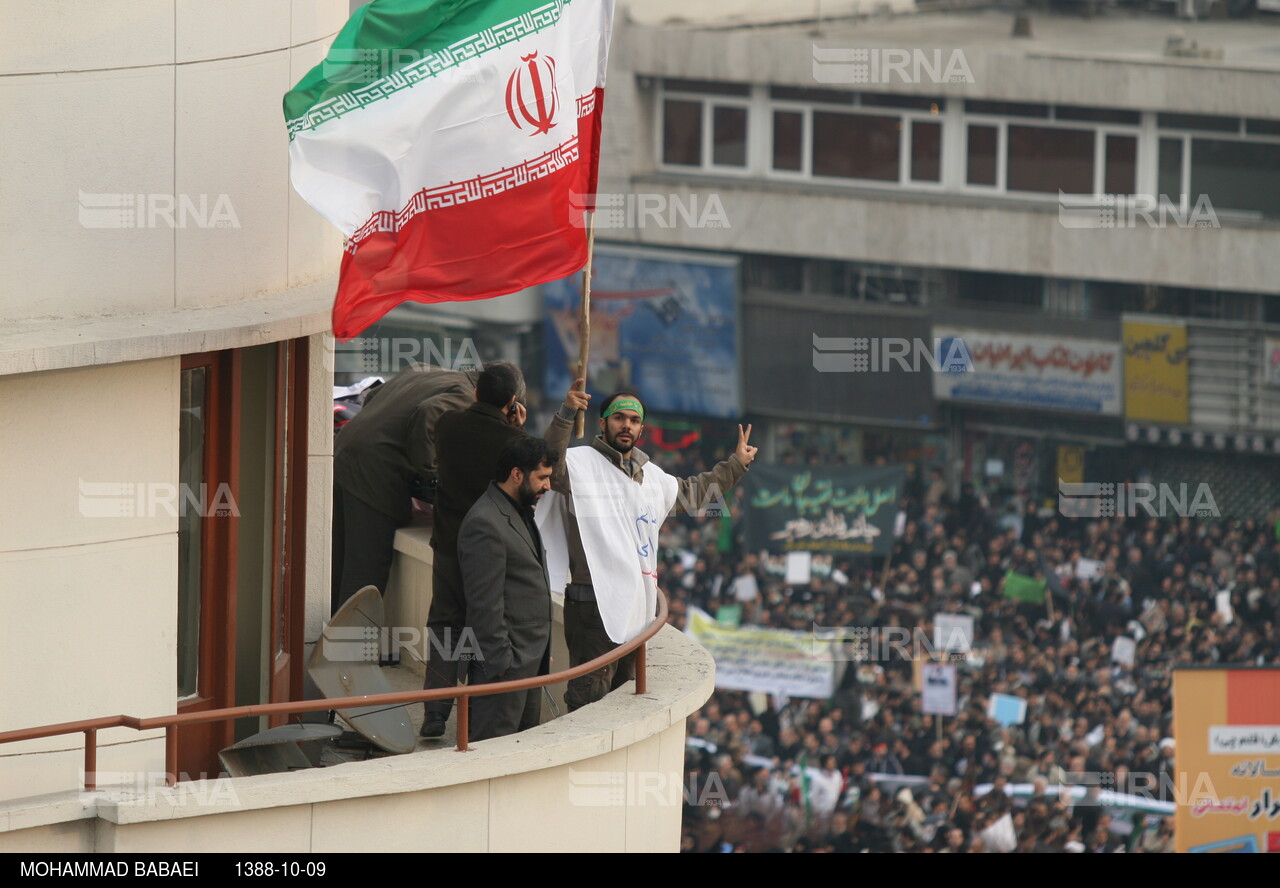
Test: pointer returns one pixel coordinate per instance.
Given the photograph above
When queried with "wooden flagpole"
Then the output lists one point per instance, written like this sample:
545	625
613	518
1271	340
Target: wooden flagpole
884	576
584	326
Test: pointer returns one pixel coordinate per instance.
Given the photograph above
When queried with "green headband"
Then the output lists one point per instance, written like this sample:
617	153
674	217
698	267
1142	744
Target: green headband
624	404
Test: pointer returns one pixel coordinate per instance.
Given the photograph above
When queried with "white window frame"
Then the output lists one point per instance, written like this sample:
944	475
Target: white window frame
905	117
1100	157
908	143
1185	136
709	102
1002	140
1184	174
955	121
805	110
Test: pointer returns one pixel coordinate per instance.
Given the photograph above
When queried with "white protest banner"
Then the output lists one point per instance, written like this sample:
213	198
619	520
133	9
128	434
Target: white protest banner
1123	650
799	568
938	693
1088	569
953	632
775	661
745	588
1222	604
999	837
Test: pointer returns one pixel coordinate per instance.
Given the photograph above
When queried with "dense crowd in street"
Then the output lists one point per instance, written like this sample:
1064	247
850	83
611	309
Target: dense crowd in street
866	771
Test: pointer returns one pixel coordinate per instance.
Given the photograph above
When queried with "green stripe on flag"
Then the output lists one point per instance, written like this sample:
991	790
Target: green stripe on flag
1023	588
391	45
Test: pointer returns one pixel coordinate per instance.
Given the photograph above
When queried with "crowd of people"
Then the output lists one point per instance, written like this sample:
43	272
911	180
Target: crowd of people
866	771
1089	765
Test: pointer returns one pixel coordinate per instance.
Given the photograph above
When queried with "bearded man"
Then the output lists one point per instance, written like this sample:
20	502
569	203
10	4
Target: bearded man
506	589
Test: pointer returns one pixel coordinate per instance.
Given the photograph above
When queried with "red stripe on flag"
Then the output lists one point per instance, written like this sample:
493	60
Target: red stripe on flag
474	249
595	113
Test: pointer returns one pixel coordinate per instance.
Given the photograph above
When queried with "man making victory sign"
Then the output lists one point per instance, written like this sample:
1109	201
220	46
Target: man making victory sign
602	534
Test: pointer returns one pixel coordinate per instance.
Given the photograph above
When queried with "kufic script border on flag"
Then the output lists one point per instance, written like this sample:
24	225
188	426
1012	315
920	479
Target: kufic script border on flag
430	65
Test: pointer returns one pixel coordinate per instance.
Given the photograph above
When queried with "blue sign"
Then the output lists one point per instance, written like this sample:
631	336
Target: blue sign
662	326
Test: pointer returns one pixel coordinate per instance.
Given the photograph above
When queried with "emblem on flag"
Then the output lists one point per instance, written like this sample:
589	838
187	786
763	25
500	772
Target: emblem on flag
541	75
437	199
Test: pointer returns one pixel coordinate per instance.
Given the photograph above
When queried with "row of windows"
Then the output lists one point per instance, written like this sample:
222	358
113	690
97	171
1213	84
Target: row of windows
1003	147
933	287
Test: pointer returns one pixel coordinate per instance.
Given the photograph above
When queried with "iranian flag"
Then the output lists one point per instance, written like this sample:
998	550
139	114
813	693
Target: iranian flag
456	144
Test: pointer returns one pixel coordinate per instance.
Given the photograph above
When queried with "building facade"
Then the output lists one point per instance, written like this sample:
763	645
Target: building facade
163	358
1058	203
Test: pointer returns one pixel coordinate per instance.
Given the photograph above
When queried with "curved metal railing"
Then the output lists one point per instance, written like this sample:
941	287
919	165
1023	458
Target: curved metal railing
463	694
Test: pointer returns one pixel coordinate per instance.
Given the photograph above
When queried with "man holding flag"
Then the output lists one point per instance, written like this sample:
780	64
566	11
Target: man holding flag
456	144
601	535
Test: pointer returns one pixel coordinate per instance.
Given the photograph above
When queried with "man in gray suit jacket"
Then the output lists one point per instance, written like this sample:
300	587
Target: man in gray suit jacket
505	584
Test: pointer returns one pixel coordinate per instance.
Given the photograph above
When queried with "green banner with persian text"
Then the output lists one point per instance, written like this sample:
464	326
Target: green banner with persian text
838	509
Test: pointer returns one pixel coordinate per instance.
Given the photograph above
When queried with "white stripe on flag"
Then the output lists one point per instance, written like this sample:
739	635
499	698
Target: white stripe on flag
378	157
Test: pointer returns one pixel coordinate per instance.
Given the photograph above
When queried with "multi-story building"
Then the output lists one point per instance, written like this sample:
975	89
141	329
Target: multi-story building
167	373
165	310
1069	204
1066	205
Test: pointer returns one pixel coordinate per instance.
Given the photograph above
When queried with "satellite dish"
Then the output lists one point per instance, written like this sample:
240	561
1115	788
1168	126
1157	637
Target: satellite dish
344	663
286	748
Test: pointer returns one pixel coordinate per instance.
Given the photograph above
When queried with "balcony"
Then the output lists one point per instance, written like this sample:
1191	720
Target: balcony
607	777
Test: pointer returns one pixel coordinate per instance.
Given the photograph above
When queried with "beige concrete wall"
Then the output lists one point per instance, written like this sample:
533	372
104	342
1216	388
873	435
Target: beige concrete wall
408	600
319	519
76	837
605	778
129	98
1072	62
88	602
408	592
1015	237
159	99
681	12
568	808
627	800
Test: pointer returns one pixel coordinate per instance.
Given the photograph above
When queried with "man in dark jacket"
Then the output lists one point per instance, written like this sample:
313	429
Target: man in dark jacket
508	594
377	459
468	443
